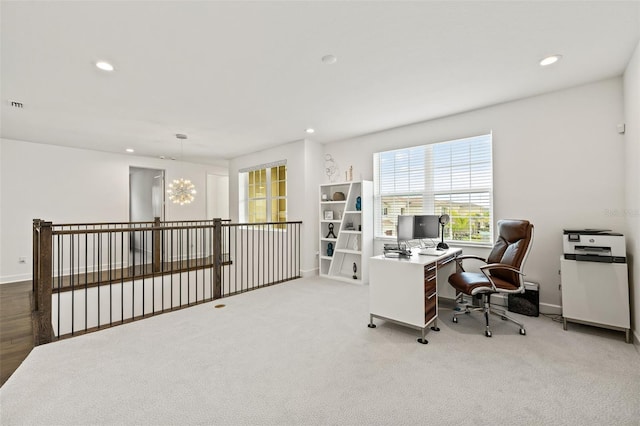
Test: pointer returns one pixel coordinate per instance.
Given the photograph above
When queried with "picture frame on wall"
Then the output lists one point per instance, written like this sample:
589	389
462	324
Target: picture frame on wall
328	215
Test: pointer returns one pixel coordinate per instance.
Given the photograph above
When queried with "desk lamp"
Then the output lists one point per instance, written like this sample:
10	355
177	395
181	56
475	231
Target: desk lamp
444	219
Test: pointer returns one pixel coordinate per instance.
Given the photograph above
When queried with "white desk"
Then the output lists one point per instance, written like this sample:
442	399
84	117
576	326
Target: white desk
405	290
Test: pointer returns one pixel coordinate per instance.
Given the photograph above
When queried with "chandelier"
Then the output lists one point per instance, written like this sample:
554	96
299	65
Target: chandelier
181	191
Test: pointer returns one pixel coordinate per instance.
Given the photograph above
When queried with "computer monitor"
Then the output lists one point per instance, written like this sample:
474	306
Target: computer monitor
426	226
405	228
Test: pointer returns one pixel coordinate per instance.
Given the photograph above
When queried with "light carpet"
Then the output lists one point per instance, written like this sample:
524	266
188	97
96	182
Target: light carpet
300	353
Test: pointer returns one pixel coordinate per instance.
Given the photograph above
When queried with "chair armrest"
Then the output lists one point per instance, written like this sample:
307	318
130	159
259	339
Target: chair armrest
486	269
491	266
459	260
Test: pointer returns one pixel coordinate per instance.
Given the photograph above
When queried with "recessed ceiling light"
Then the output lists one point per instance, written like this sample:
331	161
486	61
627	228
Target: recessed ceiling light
550	60
129	150
104	66
329	59
309	130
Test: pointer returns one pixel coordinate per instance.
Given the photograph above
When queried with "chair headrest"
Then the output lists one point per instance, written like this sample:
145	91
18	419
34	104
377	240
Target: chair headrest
514	230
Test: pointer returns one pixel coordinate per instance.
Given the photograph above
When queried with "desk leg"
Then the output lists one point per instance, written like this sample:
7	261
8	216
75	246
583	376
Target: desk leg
371	324
435	327
423	340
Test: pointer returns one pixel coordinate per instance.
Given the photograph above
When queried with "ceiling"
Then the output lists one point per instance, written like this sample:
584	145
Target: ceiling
239	77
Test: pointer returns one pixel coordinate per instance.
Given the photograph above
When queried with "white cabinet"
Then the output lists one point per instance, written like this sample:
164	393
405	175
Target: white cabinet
346	230
596	293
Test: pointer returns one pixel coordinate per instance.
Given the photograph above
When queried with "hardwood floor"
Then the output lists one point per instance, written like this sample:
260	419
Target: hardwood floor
16	333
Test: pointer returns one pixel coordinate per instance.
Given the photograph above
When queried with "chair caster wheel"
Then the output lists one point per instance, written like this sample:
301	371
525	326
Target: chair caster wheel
487	333
523	331
455	320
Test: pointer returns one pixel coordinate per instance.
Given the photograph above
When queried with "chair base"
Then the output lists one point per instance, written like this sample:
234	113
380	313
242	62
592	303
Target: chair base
487	309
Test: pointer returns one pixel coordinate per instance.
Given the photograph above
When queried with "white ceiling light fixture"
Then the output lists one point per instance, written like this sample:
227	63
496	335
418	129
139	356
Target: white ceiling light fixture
181	191
329	59
550	60
130	150
104	66
310	130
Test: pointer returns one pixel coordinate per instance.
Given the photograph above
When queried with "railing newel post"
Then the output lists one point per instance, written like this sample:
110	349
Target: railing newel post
217	258
43	325
35	262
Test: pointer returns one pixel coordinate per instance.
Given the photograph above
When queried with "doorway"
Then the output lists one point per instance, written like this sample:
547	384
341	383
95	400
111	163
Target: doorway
146	202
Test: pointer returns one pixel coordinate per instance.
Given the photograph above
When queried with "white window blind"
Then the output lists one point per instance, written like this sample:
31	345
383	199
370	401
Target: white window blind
454	177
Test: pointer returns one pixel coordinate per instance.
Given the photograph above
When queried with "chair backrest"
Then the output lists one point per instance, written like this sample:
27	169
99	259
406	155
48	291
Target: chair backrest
511	248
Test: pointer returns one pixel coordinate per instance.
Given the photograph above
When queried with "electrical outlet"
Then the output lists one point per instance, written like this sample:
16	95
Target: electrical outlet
22	259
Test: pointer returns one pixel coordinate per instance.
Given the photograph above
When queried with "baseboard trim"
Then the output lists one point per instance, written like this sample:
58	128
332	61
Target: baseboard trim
548	308
305	273
14	278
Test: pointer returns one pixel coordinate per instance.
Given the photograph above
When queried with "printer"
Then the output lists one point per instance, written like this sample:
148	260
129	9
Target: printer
594	245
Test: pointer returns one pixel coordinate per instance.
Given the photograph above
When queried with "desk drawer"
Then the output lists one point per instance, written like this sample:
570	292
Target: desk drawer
429	306
430	271
430	286
446	260
429	313
430	295
430	281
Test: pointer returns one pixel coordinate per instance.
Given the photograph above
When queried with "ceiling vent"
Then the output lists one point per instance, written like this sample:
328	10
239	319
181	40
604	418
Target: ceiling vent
16	104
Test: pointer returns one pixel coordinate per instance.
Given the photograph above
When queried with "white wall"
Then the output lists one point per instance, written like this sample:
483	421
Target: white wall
304	165
558	161
632	168
217	196
313	165
68	185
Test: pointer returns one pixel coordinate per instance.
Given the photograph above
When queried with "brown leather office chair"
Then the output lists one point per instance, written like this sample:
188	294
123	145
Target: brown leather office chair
502	272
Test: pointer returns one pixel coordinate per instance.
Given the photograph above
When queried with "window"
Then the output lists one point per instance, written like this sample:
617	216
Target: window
263	196
454	177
